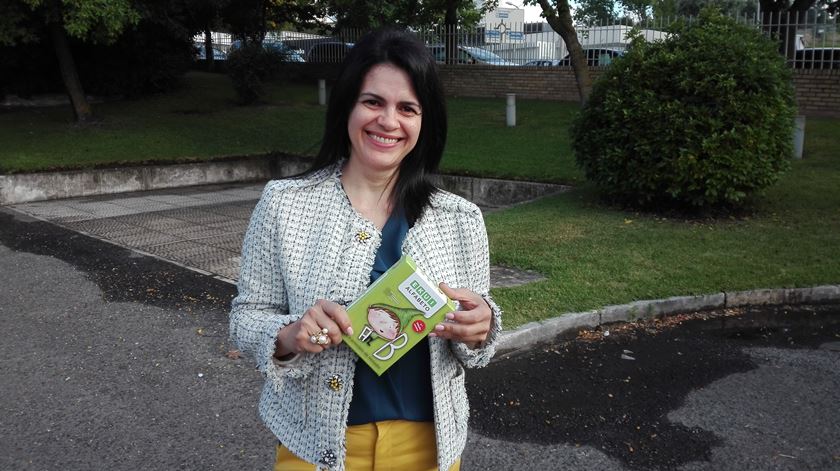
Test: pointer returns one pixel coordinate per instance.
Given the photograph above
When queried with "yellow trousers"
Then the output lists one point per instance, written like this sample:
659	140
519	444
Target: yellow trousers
398	445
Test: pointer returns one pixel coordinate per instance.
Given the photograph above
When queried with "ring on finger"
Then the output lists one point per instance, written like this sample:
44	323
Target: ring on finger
319	338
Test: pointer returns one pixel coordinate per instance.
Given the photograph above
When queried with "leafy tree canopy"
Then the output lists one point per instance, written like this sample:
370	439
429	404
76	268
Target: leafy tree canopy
366	14
97	21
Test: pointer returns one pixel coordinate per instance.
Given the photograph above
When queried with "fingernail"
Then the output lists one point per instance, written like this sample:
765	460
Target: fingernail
349	331
439	328
450	316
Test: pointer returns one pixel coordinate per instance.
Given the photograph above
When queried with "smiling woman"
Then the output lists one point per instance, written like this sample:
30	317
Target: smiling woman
318	240
383	128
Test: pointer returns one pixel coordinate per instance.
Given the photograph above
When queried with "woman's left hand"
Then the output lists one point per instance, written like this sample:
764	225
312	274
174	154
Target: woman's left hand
471	324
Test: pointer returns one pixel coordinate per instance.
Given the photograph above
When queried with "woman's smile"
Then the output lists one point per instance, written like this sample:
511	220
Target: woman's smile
382	139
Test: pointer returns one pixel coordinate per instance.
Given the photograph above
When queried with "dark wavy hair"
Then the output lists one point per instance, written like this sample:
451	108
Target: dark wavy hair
402	49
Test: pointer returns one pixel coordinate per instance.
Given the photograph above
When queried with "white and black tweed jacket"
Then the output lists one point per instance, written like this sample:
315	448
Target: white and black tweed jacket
305	242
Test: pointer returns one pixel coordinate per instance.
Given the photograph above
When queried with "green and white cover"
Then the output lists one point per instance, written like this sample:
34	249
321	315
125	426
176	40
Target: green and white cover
400	308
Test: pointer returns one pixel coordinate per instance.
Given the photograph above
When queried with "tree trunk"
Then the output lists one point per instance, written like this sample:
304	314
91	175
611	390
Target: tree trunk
450	27
779	21
561	22
209	58
69	74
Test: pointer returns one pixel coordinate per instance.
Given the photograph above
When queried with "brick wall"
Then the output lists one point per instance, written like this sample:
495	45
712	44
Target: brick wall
817	91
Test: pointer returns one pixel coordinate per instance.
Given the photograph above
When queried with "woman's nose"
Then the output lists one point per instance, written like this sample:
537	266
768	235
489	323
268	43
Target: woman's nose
388	118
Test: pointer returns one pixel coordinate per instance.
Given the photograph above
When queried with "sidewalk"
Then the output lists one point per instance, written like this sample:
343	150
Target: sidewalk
198	227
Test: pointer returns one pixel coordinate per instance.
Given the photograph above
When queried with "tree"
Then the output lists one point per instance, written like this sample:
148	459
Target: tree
448	14
595	12
367	14
779	17
665	10
249	20
206	16
96	21
558	15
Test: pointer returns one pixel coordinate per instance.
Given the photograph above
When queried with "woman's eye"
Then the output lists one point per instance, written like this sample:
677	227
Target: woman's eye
371	102
409	110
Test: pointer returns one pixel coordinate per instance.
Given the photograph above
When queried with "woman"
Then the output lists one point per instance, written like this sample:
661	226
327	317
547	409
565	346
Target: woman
317	241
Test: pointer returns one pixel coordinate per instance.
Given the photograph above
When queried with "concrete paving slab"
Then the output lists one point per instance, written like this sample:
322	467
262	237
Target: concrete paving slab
198	233
200	227
144	240
230	241
97	226
54	212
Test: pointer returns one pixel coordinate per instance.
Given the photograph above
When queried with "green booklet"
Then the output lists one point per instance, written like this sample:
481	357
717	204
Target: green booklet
400	308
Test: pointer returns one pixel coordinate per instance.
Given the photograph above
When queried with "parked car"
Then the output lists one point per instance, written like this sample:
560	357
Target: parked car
328	52
470	55
817	58
477	55
289	54
596	56
218	54
542	63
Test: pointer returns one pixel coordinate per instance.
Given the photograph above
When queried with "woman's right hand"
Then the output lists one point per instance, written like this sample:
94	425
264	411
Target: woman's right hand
297	337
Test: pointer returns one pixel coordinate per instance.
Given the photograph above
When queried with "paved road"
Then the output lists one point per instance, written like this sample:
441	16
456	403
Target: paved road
114	360
753	389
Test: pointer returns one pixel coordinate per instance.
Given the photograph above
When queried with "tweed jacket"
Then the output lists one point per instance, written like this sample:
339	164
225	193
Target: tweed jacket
306	242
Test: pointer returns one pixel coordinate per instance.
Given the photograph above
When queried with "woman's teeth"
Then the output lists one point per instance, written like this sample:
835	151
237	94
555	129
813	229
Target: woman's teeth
383	140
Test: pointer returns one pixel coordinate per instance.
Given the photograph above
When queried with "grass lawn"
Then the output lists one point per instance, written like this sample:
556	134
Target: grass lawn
595	256
592	255
196	122
202	121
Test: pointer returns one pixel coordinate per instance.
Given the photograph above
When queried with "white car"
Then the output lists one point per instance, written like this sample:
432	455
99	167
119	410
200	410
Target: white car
470	55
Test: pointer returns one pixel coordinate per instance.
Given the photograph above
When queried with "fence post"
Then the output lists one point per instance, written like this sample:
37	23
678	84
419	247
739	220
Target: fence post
511	110
799	137
322	92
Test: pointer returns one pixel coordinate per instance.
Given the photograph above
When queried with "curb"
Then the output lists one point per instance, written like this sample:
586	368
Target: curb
18	188
568	325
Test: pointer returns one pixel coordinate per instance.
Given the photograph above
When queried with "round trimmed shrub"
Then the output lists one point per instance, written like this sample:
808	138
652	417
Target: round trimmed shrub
701	119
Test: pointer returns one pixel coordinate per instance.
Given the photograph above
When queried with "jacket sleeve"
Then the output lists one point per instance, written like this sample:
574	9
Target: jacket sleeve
261	307
477	259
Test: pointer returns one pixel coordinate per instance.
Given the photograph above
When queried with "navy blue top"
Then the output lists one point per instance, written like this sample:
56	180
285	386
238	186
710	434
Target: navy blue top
404	391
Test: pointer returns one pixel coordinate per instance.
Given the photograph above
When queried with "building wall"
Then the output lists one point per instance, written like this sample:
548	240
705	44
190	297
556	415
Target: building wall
817	91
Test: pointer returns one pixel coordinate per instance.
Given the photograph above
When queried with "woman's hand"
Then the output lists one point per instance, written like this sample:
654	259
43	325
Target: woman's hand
324	322
471	324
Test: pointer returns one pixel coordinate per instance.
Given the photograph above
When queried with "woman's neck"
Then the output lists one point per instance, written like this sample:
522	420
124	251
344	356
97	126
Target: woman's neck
370	192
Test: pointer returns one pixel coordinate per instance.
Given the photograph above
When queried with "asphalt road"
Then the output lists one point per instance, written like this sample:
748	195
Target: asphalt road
112	360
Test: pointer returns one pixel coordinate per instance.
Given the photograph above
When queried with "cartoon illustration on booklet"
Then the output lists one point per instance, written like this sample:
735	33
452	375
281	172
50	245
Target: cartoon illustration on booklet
396	312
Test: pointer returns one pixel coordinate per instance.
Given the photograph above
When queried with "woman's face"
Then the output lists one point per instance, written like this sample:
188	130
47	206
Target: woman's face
385	121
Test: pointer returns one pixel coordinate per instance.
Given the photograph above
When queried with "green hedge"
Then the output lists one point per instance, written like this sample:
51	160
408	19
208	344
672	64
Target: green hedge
701	119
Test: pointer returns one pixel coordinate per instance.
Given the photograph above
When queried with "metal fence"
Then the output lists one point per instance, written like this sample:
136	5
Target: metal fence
806	41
